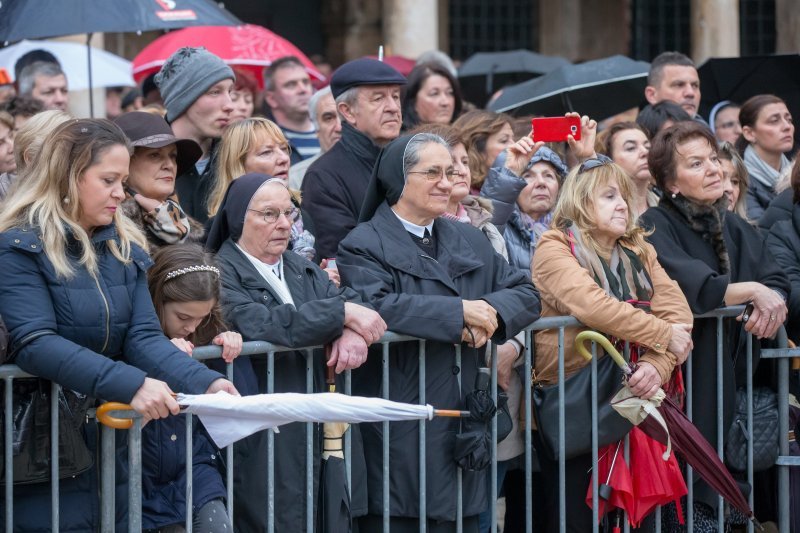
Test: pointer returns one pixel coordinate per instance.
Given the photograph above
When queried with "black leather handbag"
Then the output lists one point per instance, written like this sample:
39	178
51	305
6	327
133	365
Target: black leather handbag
30	414
578	411
765	431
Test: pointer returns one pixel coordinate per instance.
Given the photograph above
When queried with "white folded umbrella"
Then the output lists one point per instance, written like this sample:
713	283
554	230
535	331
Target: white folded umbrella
228	418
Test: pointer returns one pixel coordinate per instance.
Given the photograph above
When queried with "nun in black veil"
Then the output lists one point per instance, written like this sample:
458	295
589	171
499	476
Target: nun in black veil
442	281
271	294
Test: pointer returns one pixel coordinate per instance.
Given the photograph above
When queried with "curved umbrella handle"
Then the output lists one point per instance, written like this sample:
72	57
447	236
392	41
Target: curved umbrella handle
112	421
600	339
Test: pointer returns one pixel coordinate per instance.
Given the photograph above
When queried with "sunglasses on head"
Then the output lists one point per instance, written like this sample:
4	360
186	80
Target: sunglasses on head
594	162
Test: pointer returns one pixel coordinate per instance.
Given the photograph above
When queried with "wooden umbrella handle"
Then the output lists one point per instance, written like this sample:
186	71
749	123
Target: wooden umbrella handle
112	421
600	339
455	413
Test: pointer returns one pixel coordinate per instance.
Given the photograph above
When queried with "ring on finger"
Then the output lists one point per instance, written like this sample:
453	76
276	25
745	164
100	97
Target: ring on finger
772	318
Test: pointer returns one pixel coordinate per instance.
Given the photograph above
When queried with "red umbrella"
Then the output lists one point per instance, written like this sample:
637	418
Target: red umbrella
686	439
642	485
249	46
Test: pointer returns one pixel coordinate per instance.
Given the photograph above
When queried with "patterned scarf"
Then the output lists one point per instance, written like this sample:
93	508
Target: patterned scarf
535	228
623	276
706	220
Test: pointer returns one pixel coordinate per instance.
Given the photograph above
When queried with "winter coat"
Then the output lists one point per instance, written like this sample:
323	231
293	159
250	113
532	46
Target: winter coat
779	209
421	296
334	188
758	198
251	307
98	336
783	241
193	188
693	263
164	471
569	289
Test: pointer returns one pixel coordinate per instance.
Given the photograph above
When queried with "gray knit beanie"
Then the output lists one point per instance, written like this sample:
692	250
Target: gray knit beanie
186	75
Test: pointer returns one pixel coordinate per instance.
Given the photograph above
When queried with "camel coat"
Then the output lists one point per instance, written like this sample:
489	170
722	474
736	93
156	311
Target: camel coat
566	288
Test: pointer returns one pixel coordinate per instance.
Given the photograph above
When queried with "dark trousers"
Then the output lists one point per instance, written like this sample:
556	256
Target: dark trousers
577	477
374	524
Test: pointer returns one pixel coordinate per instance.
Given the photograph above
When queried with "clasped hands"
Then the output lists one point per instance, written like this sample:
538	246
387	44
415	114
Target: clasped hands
362	327
480	322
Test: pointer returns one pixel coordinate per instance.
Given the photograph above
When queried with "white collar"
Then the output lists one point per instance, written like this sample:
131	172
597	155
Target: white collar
414	229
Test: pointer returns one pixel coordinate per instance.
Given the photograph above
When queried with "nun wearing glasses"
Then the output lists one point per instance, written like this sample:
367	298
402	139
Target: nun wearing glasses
442	281
275	295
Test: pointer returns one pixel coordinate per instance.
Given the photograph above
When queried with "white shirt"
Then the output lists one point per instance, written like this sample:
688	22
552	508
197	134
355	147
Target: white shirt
414	229
273	275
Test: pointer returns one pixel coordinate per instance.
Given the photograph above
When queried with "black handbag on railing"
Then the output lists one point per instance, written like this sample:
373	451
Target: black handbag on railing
30	419
578	411
765	431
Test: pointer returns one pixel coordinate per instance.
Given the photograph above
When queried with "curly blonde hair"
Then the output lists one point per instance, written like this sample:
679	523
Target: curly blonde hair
50	202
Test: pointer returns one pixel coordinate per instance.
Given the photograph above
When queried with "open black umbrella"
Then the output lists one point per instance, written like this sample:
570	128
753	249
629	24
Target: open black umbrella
599	88
739	78
485	72
39	19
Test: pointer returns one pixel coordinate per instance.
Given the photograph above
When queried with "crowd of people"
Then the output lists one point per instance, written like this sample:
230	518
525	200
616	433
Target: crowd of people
381	202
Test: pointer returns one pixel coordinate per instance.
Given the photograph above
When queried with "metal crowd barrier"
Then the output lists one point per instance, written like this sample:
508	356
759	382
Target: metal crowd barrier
107	451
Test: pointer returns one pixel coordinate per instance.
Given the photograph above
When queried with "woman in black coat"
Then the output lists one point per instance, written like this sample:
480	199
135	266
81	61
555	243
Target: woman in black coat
783	241
269	294
442	281
717	259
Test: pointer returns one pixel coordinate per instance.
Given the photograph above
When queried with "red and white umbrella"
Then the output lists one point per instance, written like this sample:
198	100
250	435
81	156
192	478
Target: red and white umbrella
248	46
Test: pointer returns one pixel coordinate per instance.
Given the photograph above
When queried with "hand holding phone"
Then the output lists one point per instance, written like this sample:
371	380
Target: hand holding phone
556	129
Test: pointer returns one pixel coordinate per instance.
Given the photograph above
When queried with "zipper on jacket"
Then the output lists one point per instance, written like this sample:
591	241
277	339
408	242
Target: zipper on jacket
108	313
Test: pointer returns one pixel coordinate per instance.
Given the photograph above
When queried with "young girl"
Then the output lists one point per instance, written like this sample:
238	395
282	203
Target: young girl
185	287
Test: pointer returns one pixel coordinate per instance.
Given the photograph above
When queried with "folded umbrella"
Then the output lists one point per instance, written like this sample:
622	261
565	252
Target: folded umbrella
616	491
473	447
229	418
684	436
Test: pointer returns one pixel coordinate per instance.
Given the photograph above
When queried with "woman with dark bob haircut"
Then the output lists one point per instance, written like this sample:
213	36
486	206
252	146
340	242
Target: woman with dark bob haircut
717	259
432	95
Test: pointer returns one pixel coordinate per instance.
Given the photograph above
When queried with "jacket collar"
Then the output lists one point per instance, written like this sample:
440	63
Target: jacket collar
293	269
455	255
355	142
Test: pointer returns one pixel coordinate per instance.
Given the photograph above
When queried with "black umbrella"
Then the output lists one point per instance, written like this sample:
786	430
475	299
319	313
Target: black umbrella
39	19
739	78
485	72
599	88
473	448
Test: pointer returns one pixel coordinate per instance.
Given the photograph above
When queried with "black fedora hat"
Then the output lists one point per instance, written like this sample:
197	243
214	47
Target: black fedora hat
152	131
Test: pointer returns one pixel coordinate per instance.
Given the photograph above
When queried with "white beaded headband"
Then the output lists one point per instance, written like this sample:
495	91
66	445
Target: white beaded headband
195	268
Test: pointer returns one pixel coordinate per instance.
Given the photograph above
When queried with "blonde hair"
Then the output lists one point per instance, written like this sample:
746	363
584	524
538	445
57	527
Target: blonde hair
29	138
237	141
576	206
50	201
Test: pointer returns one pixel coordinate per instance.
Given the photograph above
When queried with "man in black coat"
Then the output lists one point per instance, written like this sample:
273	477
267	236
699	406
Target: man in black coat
367	94
271	294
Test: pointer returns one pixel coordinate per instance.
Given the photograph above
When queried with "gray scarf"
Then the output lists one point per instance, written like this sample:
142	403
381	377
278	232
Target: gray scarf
761	171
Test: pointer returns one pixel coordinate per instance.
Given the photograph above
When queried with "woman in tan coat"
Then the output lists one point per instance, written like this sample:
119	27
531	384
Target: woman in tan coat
596	266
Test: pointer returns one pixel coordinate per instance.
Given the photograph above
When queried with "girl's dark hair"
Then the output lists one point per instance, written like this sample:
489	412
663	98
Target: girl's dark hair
664	149
653	117
748	115
194	286
416	78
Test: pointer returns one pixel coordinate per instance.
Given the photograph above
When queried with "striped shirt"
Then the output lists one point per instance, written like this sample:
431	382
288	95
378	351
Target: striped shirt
304	143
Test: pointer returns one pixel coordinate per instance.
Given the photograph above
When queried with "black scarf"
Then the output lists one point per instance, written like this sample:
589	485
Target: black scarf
360	145
706	220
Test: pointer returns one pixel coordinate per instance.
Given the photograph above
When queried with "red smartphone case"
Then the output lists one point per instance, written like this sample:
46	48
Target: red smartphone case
556	129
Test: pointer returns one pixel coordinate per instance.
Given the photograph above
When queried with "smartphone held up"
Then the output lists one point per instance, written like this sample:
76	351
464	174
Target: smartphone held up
556	129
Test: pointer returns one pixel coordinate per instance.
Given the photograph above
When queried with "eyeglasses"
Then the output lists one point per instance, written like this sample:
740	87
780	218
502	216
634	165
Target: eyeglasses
594	162
272	215
436	174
